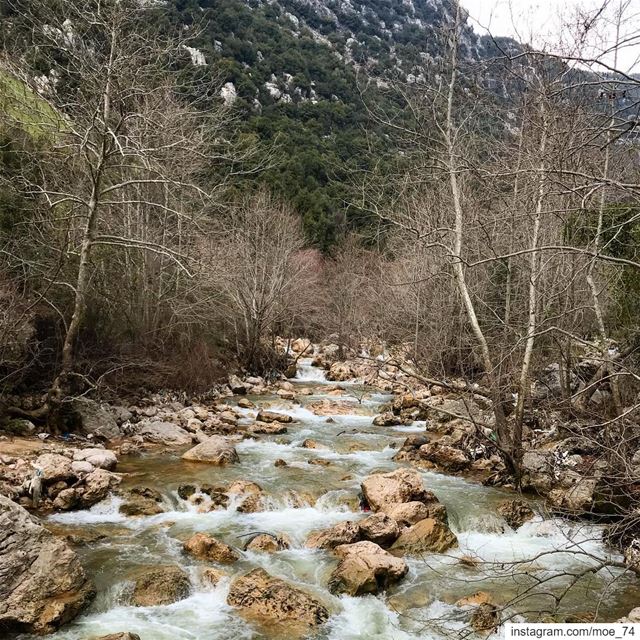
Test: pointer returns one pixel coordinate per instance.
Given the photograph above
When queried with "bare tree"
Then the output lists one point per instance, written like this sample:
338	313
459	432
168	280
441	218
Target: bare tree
128	143
256	260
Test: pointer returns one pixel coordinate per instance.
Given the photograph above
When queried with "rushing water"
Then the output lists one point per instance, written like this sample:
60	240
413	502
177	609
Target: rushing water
421	606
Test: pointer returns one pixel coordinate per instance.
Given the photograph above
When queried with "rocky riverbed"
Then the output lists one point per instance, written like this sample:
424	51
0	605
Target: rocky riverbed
309	508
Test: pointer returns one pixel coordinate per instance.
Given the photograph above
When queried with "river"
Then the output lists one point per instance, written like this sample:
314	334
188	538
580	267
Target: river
421	606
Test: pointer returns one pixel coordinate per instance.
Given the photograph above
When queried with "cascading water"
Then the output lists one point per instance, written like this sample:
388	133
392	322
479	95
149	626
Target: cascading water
308	373
303	497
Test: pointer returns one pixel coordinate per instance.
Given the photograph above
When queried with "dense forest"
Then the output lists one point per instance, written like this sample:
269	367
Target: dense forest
347	293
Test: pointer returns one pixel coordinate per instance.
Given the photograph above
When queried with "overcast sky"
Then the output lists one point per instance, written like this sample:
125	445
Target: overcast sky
539	22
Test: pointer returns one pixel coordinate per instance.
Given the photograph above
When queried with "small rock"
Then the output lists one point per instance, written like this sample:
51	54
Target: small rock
101	458
214	450
270	599
342	533
206	547
379	528
267	543
428	535
213	576
272	416
515	512
365	568
160	586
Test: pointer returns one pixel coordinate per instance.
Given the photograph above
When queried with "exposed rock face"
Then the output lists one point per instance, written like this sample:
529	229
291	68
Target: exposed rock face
270	599
384	490
428	535
160	586
93	419
165	433
446	457
340	371
515	512
42	583
340	534
272	416
267	543
206	547
365	568
379	528
214	450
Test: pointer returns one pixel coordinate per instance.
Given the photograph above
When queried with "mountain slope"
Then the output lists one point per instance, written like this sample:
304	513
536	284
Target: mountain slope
293	68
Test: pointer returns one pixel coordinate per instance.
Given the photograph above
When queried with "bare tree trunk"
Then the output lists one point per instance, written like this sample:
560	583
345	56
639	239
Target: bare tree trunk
534	266
458	268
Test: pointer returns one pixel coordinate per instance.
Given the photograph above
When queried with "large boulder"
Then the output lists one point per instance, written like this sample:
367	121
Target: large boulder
54	468
340	534
445	456
92	419
266	543
102	458
538	471
237	386
340	371
408	513
214	450
379	528
575	494
261	596
42	583
365	567
160	586
383	490
117	636
428	535
95	487
273	416
165	433
206	547
19	427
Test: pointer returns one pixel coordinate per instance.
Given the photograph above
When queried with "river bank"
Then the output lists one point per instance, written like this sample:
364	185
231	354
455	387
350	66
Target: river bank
305	450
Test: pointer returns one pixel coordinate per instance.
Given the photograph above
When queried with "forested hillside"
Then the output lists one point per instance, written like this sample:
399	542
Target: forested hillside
303	76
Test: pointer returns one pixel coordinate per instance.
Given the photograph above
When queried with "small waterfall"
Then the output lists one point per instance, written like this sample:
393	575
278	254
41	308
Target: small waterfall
308	373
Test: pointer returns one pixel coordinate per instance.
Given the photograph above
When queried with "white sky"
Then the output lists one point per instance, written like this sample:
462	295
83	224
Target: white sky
540	22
